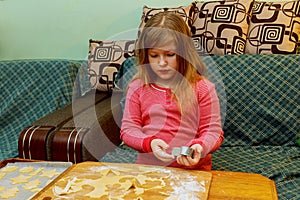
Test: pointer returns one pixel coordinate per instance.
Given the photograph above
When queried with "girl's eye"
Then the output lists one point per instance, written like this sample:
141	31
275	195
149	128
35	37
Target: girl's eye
171	54
153	55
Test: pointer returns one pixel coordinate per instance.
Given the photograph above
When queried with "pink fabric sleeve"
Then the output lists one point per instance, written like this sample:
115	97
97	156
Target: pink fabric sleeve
131	129
210	134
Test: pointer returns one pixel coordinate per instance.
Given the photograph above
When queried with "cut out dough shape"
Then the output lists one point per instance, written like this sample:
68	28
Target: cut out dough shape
20	179
2	174
49	173
2	188
32	184
26	169
37	171
9	193
9	168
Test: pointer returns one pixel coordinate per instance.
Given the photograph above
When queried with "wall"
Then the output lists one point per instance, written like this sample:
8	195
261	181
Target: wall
35	29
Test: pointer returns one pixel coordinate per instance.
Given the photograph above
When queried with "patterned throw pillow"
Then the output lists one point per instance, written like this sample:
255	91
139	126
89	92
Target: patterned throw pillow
104	60
274	28
221	27
186	12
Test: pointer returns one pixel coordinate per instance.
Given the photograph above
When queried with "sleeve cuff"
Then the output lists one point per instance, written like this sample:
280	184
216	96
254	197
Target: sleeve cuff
147	144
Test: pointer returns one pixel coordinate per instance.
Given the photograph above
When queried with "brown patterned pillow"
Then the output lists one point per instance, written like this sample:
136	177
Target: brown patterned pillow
104	60
274	28
221	27
186	12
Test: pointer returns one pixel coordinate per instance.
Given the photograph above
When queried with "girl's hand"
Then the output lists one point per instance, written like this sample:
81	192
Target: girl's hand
159	147
190	161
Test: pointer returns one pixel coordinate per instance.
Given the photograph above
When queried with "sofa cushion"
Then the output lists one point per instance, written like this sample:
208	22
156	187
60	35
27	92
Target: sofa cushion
127	70
221	27
262	93
104	60
274	28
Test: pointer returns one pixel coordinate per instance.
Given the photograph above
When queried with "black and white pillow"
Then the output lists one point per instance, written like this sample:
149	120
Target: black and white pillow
186	12
274	28
221	27
104	60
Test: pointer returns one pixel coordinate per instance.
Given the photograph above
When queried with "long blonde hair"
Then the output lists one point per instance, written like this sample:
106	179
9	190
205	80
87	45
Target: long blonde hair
159	30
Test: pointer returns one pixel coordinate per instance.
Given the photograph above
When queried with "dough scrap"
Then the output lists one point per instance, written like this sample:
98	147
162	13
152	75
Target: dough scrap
105	170
112	184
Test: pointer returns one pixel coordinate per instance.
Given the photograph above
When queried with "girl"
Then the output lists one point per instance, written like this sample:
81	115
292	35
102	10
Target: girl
169	103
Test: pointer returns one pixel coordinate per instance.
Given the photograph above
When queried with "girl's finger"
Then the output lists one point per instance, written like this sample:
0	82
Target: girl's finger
182	160
162	155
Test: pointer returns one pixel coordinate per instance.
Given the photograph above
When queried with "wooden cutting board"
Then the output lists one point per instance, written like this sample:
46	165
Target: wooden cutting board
96	180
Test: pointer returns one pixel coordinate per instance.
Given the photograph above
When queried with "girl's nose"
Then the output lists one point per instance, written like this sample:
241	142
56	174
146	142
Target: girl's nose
162	61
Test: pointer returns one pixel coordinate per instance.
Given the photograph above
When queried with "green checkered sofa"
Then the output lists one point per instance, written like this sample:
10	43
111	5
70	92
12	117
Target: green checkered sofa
260	104
259	97
31	89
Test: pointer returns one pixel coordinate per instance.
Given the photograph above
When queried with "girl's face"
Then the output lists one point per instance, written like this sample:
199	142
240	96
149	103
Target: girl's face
163	63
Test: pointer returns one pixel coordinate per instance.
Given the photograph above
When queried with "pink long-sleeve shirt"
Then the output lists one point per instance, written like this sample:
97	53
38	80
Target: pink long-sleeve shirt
151	112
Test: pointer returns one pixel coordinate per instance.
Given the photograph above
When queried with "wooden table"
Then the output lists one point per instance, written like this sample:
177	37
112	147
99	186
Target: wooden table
238	185
222	184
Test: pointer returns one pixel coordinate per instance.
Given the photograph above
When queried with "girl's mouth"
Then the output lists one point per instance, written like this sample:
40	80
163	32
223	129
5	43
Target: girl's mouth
164	71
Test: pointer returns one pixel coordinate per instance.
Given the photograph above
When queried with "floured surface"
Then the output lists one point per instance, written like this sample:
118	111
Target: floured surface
22	180
94	180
